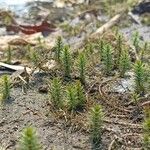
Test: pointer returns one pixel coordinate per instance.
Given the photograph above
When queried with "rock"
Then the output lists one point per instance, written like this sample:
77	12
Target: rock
43	89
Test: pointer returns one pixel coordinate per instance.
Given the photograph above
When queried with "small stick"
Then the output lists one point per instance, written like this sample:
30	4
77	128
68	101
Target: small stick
106	26
125	124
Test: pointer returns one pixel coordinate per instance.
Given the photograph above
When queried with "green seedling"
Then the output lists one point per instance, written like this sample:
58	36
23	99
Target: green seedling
35	58
29	140
6	88
66	62
143	51
136	41
89	49
96	122
71	98
135	98
146	134
58	49
118	50
82	67
101	49
124	63
107	59
9	55
80	96
56	93
140	77
28	52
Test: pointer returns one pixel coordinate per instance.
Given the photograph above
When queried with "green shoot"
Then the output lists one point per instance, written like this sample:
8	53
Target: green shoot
140	77
124	63
35	58
29	140
143	51
58	48
6	88
9	55
135	98
107	59
118	50
67	62
89	49
56	93
71	97
96	122
136	41
101	49
80	96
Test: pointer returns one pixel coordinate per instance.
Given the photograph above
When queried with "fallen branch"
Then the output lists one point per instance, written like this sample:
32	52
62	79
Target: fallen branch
15	67
106	26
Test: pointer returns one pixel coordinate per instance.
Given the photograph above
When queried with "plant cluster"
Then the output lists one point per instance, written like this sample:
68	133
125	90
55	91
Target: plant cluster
76	97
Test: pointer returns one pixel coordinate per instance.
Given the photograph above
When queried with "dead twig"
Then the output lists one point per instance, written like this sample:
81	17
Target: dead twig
106	26
124	124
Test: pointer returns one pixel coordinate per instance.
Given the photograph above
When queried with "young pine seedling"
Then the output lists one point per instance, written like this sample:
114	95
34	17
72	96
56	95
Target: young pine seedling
29	140
71	98
136	41
80	95
5	88
135	98
58	49
146	136
96	122
89	49
143	51
107	59
101	49
35	58
139	77
124	63
82	67
118	50
56	93
67	62
9	55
